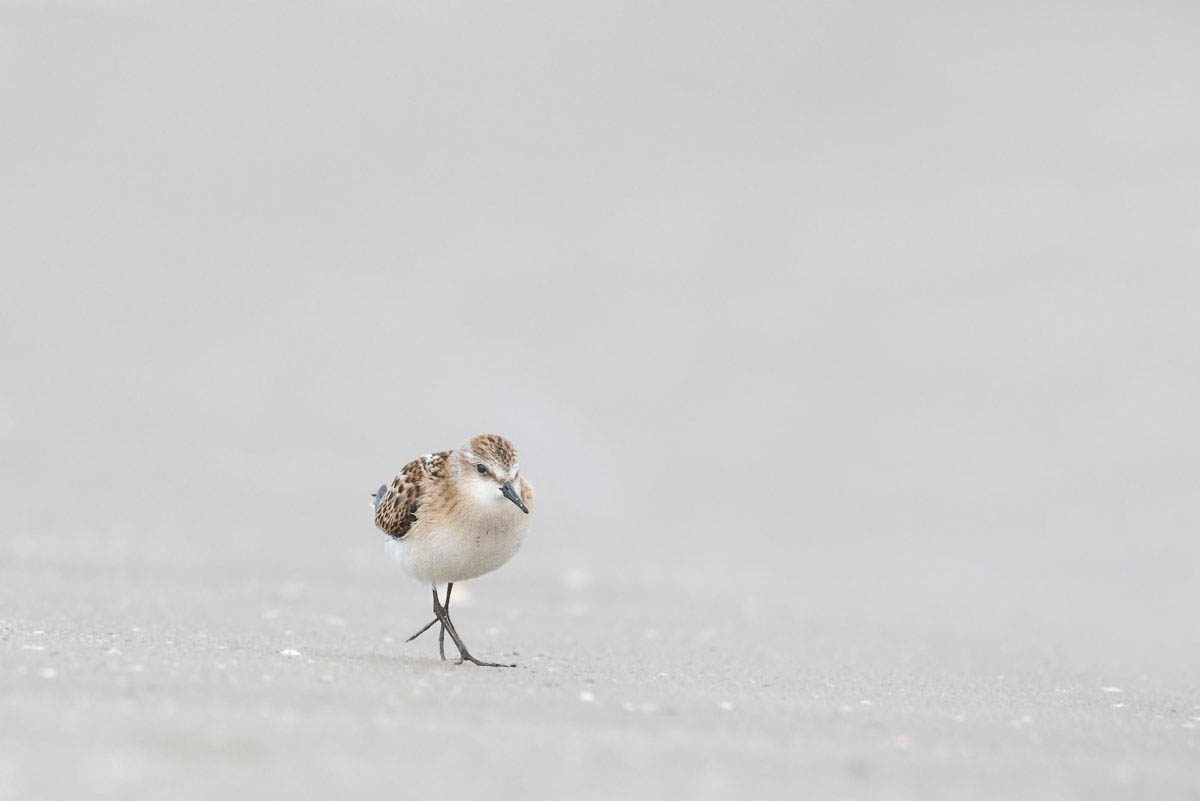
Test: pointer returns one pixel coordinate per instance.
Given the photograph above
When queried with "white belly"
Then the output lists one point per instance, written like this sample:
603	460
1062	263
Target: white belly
437	556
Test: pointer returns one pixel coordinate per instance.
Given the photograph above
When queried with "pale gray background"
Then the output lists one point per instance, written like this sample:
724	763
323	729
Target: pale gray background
854	350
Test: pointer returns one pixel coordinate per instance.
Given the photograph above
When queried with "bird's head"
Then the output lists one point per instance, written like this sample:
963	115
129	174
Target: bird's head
488	469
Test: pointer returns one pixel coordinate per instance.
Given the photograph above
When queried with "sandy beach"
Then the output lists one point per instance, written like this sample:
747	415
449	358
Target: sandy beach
190	672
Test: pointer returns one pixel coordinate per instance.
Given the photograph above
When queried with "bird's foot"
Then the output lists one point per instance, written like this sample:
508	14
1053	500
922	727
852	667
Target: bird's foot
466	657
463	654
484	664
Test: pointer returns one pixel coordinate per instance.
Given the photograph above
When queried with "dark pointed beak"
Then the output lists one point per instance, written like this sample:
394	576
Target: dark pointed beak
511	494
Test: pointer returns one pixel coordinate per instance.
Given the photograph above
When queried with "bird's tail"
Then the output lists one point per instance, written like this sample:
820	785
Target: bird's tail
377	498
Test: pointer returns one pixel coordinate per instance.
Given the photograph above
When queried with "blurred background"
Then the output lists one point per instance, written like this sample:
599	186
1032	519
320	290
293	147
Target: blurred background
886	304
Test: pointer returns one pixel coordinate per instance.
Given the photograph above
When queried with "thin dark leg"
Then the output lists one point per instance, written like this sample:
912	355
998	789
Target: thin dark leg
463	654
427	626
424	629
442	633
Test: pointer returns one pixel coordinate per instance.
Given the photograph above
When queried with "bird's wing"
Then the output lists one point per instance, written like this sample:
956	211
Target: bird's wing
396	507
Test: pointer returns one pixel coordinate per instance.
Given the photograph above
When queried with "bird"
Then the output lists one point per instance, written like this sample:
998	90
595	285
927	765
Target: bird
455	515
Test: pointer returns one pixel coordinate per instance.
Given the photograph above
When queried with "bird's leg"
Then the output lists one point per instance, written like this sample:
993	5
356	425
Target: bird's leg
463	654
442	633
427	626
424	629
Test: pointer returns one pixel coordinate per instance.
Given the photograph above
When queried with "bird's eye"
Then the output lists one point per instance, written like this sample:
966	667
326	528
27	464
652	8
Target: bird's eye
482	470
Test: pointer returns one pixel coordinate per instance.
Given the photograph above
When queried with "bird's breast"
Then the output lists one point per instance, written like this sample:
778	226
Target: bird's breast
441	551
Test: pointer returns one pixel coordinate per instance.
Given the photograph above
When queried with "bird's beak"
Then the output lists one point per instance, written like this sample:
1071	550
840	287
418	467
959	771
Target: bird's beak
507	490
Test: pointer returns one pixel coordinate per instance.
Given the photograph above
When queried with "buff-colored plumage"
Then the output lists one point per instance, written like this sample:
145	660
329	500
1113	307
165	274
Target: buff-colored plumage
450	523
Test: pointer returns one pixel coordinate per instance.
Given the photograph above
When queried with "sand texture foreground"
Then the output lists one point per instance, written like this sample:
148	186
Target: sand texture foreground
130	675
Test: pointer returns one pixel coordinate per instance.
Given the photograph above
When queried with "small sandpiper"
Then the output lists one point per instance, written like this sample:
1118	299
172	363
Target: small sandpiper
455	515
